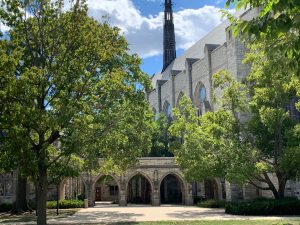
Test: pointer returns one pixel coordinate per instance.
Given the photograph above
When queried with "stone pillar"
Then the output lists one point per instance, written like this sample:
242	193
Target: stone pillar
188	65
122	194
207	51
123	201
189	194
155	189
159	84
155	198
89	194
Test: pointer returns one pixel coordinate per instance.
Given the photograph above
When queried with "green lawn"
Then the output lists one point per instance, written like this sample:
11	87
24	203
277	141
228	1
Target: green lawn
30	217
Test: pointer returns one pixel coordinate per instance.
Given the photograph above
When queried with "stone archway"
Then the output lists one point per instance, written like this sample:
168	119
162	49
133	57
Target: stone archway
106	189
139	189
172	190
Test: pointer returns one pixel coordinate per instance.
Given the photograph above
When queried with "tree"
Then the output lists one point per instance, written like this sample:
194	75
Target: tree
243	148
161	138
278	20
66	78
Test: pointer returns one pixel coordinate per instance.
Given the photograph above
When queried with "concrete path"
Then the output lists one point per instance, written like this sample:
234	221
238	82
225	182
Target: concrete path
114	213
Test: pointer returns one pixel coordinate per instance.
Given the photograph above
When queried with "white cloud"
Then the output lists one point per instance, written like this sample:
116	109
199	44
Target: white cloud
3	28
144	34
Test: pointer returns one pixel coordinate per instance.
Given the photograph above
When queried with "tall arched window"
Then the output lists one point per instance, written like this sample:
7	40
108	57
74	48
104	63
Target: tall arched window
179	99
200	98
167	110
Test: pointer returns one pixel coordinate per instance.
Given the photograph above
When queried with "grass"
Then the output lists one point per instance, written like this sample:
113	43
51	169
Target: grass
30	217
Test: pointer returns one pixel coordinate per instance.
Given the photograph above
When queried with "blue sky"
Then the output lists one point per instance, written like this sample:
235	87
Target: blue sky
141	22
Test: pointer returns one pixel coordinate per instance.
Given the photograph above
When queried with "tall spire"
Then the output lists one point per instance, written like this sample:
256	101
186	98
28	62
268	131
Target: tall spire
169	35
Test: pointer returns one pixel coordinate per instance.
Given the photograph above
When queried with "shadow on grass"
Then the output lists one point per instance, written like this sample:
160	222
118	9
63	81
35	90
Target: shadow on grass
31	217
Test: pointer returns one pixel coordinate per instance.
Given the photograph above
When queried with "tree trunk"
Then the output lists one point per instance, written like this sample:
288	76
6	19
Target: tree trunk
42	197
281	185
278	192
21	205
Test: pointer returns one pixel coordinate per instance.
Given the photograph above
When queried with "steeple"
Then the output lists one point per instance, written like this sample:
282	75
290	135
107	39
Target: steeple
169	35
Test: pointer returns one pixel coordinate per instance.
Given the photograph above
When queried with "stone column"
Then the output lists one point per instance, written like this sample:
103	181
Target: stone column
189	194
89	193
188	65
155	189
122	194
155	198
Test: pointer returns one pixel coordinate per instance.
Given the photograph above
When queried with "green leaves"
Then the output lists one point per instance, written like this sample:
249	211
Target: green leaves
67	78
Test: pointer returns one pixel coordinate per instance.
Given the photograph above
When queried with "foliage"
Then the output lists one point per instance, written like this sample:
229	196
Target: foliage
68	94
279	23
212	203
243	148
66	204
161	138
5	207
287	206
211	142
81	197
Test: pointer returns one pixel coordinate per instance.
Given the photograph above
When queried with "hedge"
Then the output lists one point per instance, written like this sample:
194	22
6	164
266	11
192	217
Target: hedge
66	204
5	207
212	204
288	206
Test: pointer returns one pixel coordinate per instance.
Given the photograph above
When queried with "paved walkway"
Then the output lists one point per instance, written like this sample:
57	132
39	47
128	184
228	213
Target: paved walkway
114	213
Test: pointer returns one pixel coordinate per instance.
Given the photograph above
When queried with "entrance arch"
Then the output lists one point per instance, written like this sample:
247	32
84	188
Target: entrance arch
139	190
171	190
106	188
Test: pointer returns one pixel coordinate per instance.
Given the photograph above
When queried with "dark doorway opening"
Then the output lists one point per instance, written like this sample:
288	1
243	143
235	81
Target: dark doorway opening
211	189
139	190
171	190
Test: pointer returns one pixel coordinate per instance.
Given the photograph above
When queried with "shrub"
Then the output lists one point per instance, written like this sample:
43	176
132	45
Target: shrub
198	199
288	206
5	207
212	204
66	204
81	197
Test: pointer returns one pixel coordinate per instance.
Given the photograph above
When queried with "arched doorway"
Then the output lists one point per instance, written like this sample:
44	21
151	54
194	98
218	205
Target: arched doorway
171	189
211	189
106	189
139	190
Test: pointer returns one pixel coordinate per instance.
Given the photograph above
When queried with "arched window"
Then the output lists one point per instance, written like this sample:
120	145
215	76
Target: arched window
167	110
179	99
200	98
202	93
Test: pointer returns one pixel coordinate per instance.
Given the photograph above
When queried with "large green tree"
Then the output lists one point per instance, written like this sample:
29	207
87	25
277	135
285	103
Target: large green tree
251	138
278	22
161	138
68	88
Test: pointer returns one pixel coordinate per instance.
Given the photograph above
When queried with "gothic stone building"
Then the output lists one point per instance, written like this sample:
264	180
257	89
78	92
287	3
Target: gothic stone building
158	181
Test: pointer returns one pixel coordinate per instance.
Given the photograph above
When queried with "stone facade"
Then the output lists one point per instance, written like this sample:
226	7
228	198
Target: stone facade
191	75
152	179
